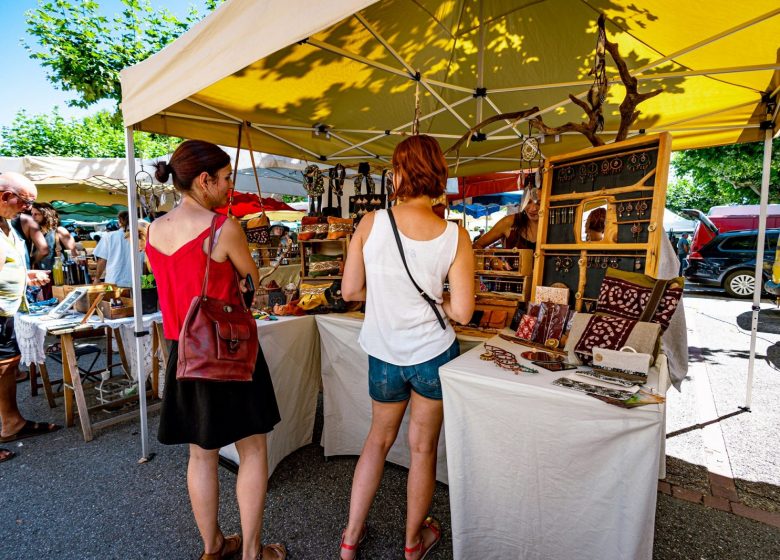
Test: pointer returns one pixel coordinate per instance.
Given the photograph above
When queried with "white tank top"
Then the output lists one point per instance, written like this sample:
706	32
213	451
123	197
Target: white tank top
400	327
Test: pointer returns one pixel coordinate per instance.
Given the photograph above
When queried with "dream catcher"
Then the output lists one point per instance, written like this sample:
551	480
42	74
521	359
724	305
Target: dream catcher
530	163
147	198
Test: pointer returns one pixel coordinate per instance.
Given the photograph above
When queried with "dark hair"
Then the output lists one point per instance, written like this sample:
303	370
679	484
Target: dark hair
597	220
124	219
419	167
190	159
50	216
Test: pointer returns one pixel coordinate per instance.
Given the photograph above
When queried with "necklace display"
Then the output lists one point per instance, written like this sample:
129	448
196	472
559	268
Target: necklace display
505	360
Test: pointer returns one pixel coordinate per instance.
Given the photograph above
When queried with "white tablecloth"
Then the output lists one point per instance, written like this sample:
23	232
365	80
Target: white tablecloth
542	472
292	350
345	395
31	336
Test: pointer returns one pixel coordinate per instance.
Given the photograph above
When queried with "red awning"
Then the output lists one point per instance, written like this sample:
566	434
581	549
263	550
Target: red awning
485	184
249	203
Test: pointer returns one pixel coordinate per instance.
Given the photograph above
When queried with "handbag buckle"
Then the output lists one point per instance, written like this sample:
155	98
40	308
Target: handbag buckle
233	345
227	309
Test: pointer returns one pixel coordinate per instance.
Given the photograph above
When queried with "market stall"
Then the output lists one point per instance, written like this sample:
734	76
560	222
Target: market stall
538	471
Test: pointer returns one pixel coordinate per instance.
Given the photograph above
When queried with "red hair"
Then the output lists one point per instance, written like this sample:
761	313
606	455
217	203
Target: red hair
419	168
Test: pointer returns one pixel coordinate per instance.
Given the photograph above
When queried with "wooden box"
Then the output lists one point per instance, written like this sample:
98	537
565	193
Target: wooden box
83	305
117	312
503	274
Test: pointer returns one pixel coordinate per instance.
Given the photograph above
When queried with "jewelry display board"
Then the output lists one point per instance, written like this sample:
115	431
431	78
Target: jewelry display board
601	208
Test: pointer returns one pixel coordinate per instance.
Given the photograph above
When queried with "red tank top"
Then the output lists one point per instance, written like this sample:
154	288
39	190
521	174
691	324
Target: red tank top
179	278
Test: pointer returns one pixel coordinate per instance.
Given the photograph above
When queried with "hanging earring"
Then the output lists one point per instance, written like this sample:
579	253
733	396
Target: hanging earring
641	208
629	209
636	229
621	209
557	264
637	263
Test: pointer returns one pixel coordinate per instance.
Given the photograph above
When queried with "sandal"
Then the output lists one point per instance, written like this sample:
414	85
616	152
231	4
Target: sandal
31	429
280	553
230	545
6	455
353	547
435	527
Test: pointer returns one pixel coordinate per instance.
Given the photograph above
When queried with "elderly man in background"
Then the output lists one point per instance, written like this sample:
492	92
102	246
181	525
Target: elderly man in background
17	193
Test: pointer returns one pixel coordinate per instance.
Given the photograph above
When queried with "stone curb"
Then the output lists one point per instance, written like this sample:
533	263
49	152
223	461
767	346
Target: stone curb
722	496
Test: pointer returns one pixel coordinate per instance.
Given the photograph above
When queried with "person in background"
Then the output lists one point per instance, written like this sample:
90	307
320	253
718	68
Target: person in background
113	255
57	239
516	231
683	248
35	247
208	415
402	336
595	224
16	193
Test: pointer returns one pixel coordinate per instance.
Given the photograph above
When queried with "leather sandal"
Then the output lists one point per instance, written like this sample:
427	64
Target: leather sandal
230	545
435	527
279	552
353	547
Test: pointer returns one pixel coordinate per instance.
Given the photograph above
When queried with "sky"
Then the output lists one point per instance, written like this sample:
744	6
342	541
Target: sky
24	81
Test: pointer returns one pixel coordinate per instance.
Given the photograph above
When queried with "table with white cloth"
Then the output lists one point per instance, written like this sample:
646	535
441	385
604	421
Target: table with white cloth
346	403
31	331
538	471
291	348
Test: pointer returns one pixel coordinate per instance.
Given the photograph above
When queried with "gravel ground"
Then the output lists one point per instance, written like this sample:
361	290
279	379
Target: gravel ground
64	498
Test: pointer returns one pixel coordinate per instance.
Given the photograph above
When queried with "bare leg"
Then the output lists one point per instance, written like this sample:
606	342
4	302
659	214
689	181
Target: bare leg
385	420
10	416
251	487
203	485
424	430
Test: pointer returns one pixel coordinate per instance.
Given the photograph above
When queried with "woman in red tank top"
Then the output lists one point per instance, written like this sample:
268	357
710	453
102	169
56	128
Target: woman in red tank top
208	415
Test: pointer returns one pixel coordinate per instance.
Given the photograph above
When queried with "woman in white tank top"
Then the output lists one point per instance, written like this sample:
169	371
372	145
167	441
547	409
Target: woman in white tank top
403	336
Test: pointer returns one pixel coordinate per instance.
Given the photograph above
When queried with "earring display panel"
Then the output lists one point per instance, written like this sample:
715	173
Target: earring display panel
626	184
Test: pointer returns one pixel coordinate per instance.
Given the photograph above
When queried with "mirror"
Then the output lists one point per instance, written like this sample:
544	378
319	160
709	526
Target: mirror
594	220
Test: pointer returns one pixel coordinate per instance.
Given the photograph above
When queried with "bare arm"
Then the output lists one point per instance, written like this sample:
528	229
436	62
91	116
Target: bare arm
460	306
233	239
34	234
353	285
101	268
66	239
501	229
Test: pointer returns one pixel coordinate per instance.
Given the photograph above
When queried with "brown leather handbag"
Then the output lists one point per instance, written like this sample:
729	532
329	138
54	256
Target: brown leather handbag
218	340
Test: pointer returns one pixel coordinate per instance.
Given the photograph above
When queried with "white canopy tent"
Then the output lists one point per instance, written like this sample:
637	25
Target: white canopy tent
337	81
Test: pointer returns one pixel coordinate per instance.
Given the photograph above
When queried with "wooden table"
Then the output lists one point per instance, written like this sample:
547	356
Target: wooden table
73	387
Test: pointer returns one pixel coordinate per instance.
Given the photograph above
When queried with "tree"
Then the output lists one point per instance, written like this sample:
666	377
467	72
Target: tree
83	51
96	136
722	175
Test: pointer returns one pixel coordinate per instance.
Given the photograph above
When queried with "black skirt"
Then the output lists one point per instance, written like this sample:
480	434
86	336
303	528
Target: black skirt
213	414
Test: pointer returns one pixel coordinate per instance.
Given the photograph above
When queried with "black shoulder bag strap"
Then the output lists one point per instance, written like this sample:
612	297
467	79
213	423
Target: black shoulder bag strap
425	296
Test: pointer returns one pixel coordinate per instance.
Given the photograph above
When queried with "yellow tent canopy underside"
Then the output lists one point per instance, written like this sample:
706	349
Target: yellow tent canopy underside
348	67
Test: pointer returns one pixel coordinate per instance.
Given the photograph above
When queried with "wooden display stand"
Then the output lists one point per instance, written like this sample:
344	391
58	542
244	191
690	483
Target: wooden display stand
628	180
322	247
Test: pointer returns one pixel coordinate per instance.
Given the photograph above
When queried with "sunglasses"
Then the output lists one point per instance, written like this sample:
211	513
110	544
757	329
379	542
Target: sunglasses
23	200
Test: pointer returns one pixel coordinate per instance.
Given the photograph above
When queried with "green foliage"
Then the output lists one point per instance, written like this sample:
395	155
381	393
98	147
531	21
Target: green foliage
83	50
97	136
147	281
722	175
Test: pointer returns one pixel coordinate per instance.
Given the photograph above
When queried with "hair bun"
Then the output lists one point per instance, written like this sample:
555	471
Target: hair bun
162	171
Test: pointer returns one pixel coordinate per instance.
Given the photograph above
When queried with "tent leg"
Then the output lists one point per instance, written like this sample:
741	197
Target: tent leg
136	268
759	271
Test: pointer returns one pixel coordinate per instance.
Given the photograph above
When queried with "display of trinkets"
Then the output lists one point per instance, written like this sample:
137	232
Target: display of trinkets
592	389
627	179
505	360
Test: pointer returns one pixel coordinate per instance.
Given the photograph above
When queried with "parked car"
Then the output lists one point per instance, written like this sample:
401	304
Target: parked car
729	261
721	219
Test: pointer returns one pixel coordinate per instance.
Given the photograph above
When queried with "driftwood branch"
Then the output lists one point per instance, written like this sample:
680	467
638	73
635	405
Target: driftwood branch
628	112
514	117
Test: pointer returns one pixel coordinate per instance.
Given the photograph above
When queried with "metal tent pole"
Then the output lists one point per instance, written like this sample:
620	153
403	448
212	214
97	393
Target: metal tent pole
759	271
135	267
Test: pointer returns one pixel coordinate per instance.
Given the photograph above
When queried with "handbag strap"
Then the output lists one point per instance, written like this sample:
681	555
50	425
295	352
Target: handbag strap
655	300
208	256
425	296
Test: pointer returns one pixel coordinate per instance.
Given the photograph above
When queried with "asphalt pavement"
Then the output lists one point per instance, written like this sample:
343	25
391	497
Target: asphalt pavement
64	498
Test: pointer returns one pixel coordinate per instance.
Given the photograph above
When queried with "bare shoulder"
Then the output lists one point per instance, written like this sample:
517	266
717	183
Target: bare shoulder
364	226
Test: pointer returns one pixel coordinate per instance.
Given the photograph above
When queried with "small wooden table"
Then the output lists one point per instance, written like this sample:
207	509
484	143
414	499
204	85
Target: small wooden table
73	388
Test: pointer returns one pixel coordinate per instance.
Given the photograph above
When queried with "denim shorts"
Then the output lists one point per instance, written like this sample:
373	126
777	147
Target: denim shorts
392	383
